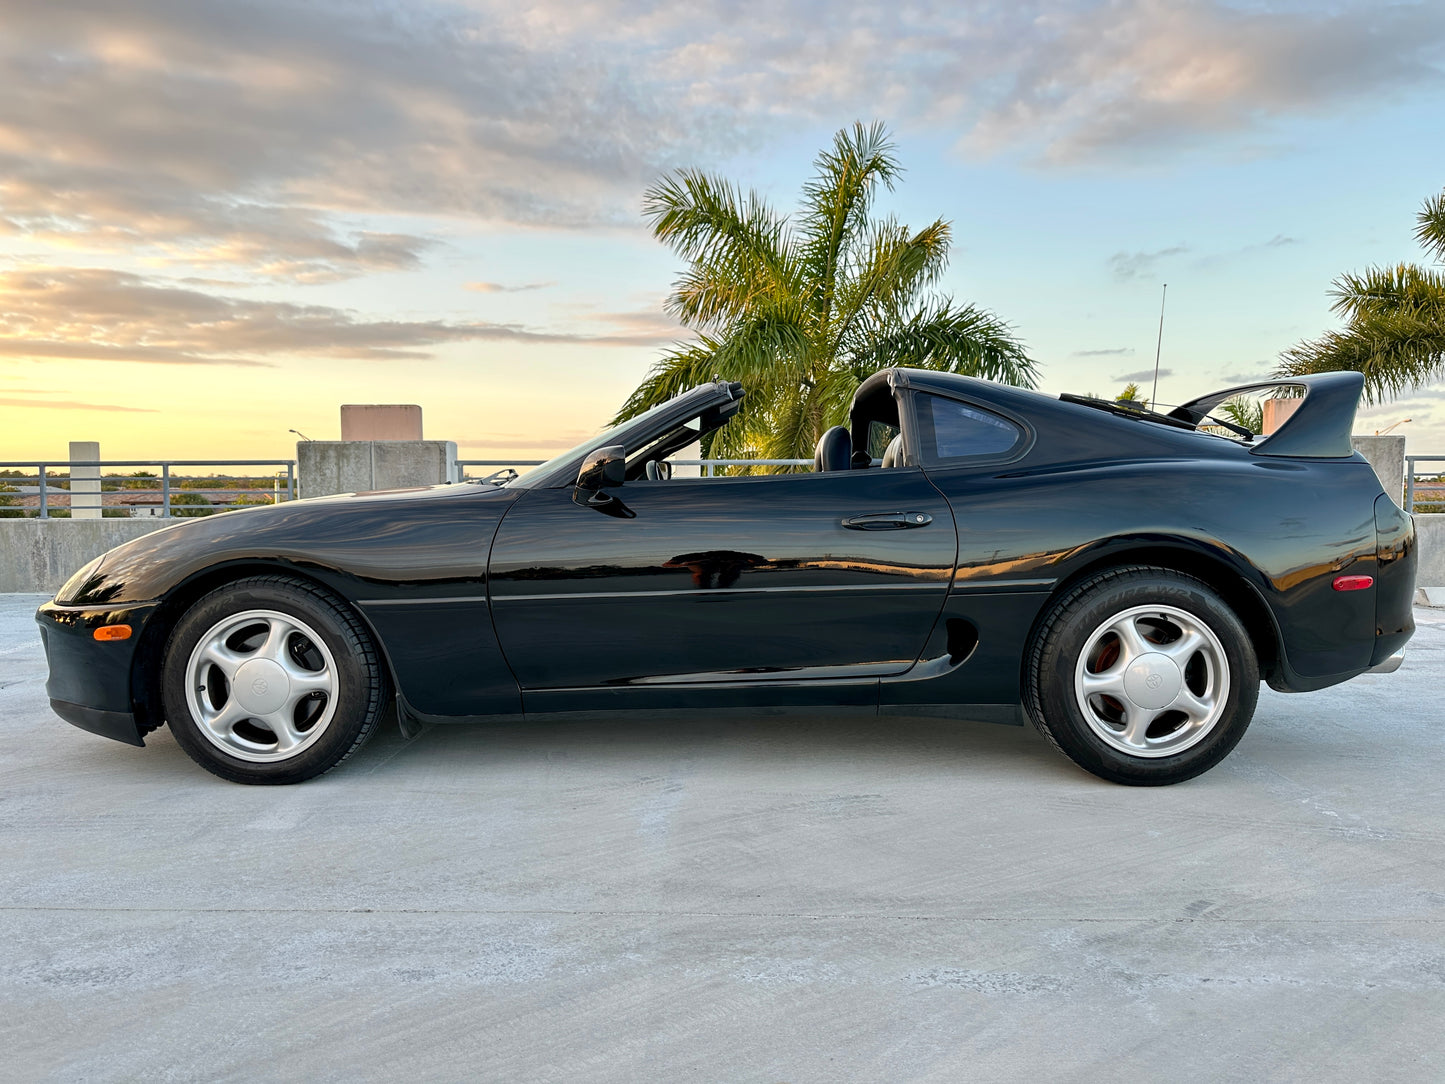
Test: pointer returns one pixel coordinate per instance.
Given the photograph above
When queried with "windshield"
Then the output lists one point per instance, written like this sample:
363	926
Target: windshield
602	440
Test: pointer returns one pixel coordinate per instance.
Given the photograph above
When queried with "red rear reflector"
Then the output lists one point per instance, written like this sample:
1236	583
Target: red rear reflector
1353	583
112	632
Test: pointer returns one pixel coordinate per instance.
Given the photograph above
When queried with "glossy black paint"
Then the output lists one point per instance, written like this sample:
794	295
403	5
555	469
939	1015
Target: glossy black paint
764	591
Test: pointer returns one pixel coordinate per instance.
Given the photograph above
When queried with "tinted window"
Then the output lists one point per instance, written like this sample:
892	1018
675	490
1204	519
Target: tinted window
953	430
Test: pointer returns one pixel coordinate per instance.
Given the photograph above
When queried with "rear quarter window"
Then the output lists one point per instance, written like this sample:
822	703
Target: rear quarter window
954	432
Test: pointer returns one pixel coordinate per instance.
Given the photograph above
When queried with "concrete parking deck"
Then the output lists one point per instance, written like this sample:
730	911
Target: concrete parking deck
771	899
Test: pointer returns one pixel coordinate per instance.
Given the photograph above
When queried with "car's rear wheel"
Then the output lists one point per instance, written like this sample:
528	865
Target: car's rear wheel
1142	676
270	680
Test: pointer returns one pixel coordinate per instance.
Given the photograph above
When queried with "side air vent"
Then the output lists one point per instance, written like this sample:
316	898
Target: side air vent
962	639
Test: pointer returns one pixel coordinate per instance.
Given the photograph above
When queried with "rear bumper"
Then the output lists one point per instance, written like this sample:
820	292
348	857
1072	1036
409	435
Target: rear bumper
90	682
1390	664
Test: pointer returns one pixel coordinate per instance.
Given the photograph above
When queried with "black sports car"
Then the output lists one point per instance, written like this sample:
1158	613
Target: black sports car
1122	578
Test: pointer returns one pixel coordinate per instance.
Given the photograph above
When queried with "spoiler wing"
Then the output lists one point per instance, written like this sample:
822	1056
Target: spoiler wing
1319	429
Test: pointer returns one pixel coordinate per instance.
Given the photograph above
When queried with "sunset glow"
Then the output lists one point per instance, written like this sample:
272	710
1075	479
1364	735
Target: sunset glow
218	222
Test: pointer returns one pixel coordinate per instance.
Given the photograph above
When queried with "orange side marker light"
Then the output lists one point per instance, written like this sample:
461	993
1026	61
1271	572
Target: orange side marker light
112	632
1353	583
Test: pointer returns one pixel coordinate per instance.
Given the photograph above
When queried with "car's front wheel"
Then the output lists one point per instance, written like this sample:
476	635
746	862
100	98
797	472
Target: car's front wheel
270	680
1142	676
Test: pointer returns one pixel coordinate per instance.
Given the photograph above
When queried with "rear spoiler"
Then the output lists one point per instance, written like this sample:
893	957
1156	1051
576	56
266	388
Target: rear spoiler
1319	429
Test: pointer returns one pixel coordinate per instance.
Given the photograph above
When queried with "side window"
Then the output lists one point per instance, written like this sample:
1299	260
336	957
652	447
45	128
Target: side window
950	430
880	435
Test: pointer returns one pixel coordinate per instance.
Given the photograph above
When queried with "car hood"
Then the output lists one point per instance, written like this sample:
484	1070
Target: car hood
386	534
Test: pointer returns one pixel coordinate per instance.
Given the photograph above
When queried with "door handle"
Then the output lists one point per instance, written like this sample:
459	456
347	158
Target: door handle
887	521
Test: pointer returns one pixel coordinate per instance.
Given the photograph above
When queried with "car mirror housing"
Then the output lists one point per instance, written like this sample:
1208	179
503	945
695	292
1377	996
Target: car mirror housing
605	468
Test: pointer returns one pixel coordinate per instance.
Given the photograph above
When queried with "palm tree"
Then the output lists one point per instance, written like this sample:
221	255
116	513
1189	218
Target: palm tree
1394	321
801	310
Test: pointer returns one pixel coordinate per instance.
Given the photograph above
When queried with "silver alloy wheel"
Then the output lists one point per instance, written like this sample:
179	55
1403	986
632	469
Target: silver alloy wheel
1152	680
261	685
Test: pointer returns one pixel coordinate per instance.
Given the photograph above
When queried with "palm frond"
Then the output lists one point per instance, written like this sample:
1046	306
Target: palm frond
1396	352
963	339
735	238
1383	290
894	266
1244	410
837	201
1430	226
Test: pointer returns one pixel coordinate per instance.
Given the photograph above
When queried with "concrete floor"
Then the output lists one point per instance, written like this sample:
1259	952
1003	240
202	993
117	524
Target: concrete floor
763	900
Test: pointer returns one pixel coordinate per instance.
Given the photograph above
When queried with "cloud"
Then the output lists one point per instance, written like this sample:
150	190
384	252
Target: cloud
1142	374
1246	378
500	288
267	136
1127	266
70	404
97	314
1111	352
1084	81
255	135
645	327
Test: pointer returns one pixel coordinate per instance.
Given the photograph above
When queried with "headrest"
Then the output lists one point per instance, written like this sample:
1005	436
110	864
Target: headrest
834	451
893	454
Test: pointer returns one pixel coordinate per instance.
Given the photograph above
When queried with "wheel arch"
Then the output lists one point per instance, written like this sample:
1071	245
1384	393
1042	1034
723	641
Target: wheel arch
1221	573
145	682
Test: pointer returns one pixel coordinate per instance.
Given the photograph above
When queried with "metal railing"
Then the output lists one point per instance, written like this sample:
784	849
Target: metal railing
707	468
153	488
1424	489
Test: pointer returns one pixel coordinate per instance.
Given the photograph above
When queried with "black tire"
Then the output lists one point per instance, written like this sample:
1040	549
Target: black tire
1080	618
349	711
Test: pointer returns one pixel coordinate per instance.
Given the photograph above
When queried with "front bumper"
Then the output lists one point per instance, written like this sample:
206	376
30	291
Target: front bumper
91	682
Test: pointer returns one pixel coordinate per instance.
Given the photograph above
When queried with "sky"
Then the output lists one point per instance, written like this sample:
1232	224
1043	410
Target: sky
221	220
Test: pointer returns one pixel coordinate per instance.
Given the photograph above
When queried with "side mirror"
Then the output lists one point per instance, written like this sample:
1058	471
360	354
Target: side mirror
603	469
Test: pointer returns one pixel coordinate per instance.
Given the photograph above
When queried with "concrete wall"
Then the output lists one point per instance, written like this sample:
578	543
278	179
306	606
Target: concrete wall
357	466
1387	455
1430	576
40	554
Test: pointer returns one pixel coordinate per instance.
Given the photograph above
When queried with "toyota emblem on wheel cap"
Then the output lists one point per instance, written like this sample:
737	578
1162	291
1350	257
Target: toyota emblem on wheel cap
1153	681
259	686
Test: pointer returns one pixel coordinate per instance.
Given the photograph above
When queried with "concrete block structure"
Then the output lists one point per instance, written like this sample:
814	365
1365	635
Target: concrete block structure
1387	455
381	421
357	466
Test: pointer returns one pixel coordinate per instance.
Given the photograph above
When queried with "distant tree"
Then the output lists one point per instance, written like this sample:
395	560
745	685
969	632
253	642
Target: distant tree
1131	394
10	506
1394	329
184	505
803	309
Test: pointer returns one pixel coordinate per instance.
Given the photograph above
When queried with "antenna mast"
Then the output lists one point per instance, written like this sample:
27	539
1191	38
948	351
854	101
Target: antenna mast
1159	346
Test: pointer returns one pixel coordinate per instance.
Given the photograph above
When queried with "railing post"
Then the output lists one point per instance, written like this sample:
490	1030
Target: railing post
44	496
291	480
1410	483
165	490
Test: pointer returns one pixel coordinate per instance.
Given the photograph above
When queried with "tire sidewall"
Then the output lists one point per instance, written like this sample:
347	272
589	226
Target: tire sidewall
1064	639
355	709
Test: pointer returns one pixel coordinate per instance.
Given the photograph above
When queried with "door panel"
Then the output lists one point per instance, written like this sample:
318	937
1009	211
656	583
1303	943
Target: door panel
722	581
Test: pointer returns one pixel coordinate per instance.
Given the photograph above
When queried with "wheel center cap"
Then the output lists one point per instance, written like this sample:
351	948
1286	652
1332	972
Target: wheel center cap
260	686
1153	680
